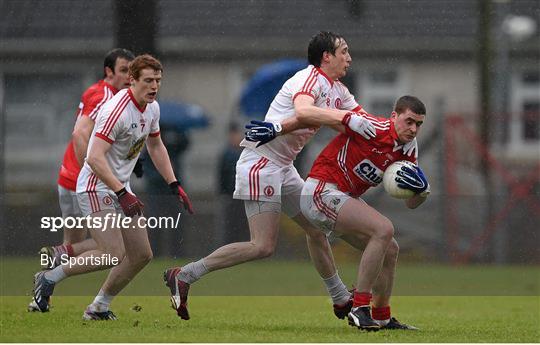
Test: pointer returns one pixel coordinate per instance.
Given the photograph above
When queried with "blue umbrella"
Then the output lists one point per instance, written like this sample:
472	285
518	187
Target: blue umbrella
182	116
265	84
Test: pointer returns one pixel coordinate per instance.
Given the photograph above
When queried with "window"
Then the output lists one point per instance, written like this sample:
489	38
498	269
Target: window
531	119
524	119
379	87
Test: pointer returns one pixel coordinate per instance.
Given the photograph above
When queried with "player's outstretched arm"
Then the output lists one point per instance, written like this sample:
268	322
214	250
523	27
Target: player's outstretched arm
310	115
81	135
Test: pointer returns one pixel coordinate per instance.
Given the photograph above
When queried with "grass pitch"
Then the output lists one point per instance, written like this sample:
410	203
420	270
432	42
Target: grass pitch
279	301
273	319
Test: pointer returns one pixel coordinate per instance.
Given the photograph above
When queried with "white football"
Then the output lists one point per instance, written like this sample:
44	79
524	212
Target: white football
390	184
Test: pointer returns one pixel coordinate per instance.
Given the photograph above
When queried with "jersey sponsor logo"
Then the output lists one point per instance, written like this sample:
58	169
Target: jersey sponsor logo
107	200
338	103
368	172
268	190
323	94
133	125
136	148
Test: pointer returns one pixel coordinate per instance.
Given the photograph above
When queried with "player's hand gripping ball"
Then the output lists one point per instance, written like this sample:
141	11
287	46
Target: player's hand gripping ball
403	180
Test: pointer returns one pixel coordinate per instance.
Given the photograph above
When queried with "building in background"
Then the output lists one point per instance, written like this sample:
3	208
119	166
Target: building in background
211	48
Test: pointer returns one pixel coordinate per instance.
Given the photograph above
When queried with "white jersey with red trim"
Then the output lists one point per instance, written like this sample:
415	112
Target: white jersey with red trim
125	125
313	82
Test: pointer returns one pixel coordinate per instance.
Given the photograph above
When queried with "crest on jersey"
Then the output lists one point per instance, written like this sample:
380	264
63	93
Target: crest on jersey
136	148
368	172
337	103
107	200
268	191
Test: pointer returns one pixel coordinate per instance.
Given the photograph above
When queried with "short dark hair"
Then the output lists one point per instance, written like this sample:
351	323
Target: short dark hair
113	55
410	102
141	62
324	41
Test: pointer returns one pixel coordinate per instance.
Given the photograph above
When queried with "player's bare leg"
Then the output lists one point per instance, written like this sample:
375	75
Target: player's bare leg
264	230
108	242
75	243
357	219
382	289
138	254
320	252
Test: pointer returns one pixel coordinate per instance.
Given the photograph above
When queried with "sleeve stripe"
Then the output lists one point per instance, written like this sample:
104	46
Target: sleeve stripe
309	86
156	134
106	97
308	80
357	109
115	114
104	137
303	93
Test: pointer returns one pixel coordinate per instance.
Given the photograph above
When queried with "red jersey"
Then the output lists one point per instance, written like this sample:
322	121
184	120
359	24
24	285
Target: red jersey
91	102
355	163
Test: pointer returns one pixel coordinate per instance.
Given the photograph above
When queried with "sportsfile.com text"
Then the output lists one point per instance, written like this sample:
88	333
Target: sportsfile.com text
109	221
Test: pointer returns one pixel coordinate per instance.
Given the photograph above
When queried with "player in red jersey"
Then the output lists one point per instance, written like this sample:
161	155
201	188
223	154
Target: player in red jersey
342	172
115	78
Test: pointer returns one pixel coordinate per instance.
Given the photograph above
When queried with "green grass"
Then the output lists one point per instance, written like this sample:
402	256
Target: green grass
291	278
273	319
279	301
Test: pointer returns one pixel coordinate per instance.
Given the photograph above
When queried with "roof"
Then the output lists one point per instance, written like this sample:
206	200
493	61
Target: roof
278	25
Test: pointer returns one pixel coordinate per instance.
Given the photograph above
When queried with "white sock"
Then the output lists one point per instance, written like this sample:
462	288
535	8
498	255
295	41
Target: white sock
337	290
382	322
56	275
101	302
193	271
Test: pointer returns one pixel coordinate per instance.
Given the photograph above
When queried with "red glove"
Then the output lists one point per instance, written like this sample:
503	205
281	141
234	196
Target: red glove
177	190
131	205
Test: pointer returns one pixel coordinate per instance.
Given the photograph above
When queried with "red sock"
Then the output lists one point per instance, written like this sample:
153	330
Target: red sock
361	299
69	250
381	313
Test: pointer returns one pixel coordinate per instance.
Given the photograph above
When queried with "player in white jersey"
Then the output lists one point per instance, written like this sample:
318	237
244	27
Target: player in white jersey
115	77
128	121
266	178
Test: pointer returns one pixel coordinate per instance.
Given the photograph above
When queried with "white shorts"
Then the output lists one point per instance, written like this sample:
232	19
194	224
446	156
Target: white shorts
260	179
92	202
68	202
321	203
